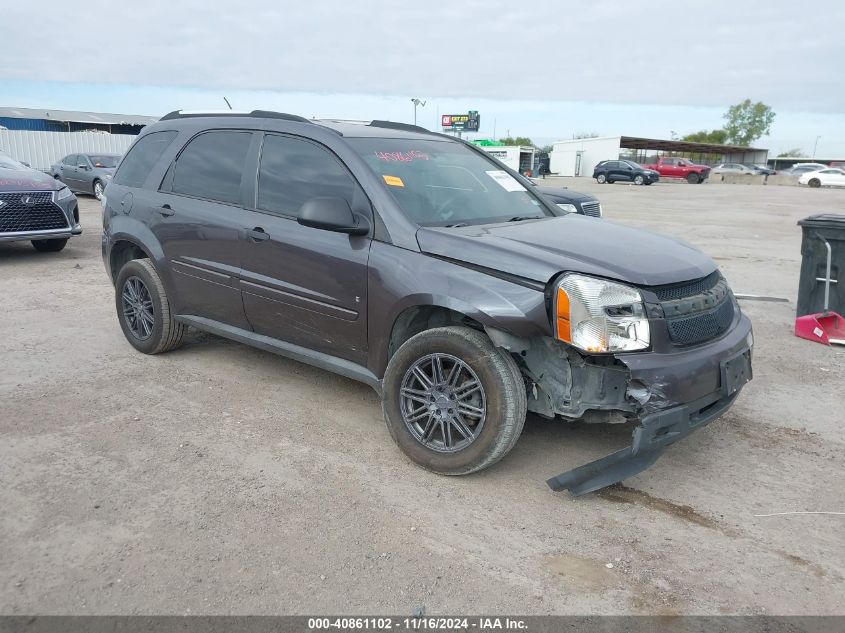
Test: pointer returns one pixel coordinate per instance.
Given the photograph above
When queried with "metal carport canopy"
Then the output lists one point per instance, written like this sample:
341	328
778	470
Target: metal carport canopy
635	142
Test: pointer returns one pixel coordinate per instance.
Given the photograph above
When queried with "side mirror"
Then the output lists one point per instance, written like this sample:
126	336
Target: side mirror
332	214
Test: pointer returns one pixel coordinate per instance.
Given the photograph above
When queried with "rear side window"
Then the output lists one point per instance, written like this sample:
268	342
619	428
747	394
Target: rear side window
293	171
135	168
211	166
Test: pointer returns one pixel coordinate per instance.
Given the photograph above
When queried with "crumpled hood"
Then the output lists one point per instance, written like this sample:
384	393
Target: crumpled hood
540	249
26	180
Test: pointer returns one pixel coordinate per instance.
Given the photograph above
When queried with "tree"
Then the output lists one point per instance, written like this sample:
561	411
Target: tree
793	153
746	122
519	140
717	137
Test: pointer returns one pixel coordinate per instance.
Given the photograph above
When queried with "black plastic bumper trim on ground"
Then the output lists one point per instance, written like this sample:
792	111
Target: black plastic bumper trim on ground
655	432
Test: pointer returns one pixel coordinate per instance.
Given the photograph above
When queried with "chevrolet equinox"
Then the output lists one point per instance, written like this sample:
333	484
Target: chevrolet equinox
417	264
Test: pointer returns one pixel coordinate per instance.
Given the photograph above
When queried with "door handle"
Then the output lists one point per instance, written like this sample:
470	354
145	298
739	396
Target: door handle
165	210
258	234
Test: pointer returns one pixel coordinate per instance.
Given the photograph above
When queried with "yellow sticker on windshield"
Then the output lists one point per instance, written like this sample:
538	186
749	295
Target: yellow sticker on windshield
393	181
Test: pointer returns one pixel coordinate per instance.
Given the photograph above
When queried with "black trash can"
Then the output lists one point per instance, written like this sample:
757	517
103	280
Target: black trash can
816	228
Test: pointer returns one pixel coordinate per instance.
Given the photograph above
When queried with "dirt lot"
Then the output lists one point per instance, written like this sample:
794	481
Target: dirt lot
222	479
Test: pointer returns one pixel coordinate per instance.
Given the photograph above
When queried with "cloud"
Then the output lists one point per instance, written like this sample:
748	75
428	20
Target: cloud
705	54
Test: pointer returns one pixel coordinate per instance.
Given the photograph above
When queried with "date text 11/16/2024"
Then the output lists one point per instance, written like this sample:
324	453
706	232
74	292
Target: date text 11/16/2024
481	624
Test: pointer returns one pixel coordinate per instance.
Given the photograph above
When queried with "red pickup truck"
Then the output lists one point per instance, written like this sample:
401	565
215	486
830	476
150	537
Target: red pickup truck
680	168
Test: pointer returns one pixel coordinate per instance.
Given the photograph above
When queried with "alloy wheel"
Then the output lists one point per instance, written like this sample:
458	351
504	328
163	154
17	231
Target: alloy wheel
138	308
443	403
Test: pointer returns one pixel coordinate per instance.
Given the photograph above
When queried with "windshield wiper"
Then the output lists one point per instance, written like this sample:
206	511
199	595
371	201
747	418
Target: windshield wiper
457	225
520	218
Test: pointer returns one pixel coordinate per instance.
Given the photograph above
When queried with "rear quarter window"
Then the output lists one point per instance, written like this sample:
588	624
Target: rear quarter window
142	157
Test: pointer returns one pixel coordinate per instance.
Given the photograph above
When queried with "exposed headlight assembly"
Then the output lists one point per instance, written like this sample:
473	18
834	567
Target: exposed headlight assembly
600	316
571	208
63	193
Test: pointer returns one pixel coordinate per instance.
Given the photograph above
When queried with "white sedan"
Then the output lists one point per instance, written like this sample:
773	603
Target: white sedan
830	177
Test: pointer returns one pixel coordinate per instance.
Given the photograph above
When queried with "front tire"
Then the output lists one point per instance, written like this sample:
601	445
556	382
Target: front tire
693	178
814	183
638	180
453	402
601	179
99	187
49	246
143	309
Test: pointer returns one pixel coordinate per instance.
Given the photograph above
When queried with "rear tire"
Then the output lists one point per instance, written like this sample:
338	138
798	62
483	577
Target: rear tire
693	178
601	179
143	309
49	246
417	415
814	183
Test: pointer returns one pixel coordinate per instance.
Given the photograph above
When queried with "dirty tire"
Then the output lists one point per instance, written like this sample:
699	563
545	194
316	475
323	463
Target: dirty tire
815	183
49	246
166	332
601	179
638	179
693	179
504	388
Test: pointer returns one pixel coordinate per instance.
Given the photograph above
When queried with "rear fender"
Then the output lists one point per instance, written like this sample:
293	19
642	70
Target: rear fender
129	229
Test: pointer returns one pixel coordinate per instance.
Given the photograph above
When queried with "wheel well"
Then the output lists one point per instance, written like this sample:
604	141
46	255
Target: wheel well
418	319
123	252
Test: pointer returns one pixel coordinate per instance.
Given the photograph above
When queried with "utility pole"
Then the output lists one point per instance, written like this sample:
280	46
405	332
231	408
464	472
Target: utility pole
815	146
417	102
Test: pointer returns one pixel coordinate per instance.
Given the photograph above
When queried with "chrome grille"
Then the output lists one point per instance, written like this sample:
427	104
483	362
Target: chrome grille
30	211
593	209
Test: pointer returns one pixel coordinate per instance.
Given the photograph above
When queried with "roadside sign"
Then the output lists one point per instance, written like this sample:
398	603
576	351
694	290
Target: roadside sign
469	122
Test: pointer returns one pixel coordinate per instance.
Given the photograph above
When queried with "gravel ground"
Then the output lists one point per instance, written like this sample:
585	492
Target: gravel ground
219	479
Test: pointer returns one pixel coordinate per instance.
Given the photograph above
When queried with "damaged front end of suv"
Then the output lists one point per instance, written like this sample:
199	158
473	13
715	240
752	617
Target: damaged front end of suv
669	358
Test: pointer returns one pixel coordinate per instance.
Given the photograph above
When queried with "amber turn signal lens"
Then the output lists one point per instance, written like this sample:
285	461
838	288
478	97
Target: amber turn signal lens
563	328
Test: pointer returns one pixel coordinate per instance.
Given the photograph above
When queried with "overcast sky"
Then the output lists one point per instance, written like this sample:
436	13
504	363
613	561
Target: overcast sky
611	67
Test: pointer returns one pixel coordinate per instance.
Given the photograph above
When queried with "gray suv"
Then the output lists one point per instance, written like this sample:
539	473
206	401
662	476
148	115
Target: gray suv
413	262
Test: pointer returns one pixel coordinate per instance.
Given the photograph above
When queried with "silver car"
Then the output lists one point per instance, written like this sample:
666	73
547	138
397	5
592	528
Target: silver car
734	168
86	173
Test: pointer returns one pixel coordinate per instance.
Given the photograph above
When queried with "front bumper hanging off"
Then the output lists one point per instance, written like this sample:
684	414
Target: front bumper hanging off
658	430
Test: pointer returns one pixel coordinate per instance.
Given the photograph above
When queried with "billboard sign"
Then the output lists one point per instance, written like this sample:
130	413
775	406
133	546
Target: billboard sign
469	122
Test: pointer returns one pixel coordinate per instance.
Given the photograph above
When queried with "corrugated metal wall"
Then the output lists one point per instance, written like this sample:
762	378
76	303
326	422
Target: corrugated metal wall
42	149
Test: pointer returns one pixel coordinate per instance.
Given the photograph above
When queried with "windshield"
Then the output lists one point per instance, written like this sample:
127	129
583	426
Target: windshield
444	183
107	161
7	162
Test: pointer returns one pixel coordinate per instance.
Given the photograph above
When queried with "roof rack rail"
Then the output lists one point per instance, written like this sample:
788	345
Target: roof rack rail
258	114
391	125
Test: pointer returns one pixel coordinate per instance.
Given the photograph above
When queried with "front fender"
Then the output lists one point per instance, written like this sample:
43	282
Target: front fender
400	279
